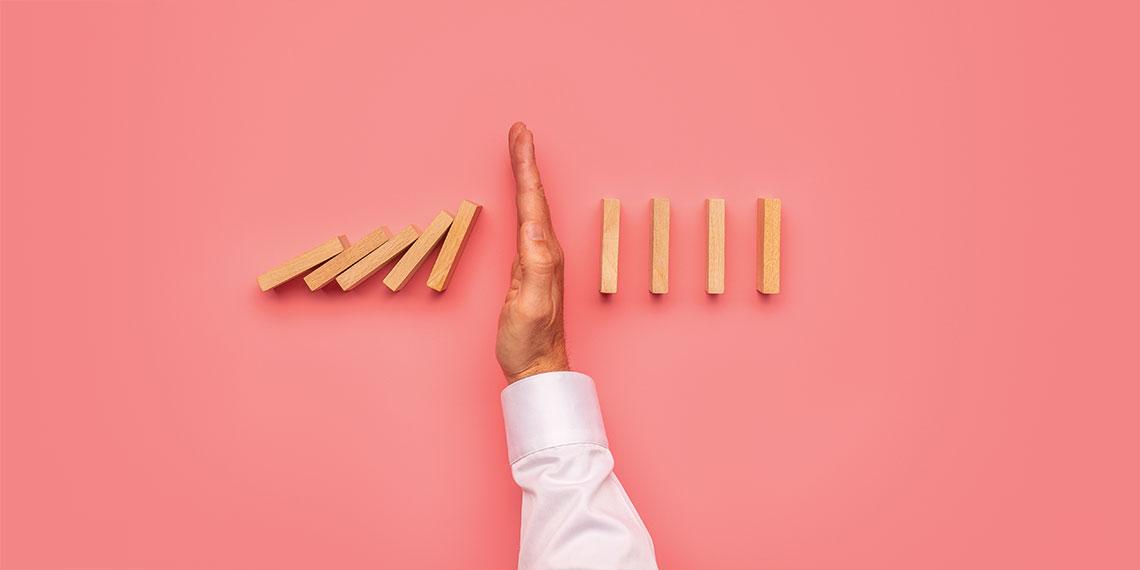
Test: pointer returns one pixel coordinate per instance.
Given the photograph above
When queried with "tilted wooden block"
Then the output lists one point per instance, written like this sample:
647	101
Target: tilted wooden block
379	257
611	228
659	258
324	274
302	263
768	245
411	261
453	245
715	282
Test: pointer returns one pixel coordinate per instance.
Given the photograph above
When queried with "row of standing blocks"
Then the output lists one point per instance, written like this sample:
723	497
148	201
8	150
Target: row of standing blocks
350	264
767	246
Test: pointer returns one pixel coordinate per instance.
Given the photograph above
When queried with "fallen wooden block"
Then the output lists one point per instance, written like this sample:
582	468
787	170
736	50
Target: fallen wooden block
379	257
324	274
418	252
659	257
768	245
611	228
715	282
453	245
302	263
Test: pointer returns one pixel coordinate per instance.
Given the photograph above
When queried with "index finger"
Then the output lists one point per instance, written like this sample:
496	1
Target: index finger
530	197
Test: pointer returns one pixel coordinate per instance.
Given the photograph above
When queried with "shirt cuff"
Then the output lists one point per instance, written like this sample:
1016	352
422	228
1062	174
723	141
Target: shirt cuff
551	409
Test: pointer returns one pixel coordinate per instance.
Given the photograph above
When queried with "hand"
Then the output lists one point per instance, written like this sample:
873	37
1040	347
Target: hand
531	338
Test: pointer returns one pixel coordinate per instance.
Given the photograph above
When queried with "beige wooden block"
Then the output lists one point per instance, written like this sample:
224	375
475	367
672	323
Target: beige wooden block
324	274
659	257
768	245
611	228
415	256
715	282
379	257
302	263
453	245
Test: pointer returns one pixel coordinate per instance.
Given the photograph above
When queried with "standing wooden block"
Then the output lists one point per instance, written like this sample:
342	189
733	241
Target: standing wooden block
302	263
379	257
659	259
768	245
611	227
414	258
715	282
324	274
453	245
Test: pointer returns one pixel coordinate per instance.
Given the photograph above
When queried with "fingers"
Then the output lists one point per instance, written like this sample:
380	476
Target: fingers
530	197
540	257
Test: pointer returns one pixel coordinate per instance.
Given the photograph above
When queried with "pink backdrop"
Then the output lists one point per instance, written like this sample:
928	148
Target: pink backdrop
948	379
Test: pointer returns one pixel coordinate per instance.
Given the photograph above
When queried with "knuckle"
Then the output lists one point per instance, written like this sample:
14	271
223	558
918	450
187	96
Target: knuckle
534	312
543	264
542	259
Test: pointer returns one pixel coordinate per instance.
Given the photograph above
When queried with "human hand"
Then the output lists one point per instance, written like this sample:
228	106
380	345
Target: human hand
531	338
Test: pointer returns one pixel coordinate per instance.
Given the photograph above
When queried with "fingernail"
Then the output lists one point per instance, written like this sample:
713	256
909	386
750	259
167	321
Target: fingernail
534	231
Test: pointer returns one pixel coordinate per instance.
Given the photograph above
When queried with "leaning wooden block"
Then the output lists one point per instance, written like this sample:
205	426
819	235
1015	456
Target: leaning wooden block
659	258
715	282
611	227
768	245
379	257
302	263
324	274
414	258
453	245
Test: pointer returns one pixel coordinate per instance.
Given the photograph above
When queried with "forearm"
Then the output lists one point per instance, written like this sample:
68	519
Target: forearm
575	513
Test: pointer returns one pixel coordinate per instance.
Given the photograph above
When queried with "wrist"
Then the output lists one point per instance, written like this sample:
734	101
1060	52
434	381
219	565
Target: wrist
549	363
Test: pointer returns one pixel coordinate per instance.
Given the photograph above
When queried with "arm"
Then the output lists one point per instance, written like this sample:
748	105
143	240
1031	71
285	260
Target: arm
575	513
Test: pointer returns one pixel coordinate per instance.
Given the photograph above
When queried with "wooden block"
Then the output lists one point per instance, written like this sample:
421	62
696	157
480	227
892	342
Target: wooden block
611	227
659	259
715	282
768	245
379	257
324	274
302	263
414	258
453	245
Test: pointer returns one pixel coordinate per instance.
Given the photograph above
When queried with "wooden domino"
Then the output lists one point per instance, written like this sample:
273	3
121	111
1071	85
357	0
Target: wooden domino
768	245
324	274
418	252
453	245
302	263
714	207
379	257
611	227
659	257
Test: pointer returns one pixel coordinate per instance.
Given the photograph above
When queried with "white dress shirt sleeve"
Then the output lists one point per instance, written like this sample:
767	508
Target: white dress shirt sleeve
575	513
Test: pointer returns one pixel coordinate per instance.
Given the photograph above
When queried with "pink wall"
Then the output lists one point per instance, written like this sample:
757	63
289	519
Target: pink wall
947	381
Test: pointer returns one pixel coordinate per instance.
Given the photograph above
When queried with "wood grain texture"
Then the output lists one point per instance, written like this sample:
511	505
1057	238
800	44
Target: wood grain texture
714	208
399	276
371	263
453	245
659	257
768	245
611	228
324	274
302	263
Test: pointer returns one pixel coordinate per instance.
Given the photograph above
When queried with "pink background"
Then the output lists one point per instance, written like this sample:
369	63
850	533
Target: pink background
948	379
